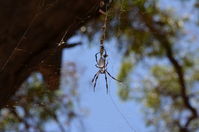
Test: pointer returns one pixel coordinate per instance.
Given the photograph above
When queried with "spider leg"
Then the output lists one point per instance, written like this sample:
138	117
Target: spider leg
96	57
95	82
95	76
112	76
106	64
105	53
106	82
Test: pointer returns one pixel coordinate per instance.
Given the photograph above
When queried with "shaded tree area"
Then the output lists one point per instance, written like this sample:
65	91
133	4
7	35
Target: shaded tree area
30	33
152	39
32	36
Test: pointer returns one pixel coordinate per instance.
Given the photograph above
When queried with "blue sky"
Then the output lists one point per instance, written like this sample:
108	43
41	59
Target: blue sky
103	115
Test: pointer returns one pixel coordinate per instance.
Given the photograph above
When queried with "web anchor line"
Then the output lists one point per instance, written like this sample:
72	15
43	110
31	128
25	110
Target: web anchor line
39	11
121	114
101	56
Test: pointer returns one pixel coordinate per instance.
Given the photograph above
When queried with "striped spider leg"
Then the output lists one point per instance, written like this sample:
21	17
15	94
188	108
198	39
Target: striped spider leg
102	66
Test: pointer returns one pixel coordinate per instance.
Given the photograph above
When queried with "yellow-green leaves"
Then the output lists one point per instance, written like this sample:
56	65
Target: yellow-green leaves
125	70
167	80
124	93
152	100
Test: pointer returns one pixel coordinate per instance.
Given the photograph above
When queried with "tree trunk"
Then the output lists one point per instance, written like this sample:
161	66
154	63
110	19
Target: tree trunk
30	31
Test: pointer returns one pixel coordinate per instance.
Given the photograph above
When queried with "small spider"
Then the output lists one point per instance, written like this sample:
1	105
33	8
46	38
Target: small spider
102	65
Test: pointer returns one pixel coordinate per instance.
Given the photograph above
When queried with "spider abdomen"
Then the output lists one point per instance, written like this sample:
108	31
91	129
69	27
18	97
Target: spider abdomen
101	62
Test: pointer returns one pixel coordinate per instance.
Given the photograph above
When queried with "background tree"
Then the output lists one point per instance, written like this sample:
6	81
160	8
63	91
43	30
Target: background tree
155	37
170	91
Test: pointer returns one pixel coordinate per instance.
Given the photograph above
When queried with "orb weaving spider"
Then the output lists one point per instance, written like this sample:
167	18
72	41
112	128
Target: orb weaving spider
102	65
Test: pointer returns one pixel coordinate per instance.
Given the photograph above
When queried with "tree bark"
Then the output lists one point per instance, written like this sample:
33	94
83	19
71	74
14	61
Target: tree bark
30	31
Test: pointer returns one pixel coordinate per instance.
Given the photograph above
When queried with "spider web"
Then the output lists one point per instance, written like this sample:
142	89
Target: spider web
76	23
38	12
